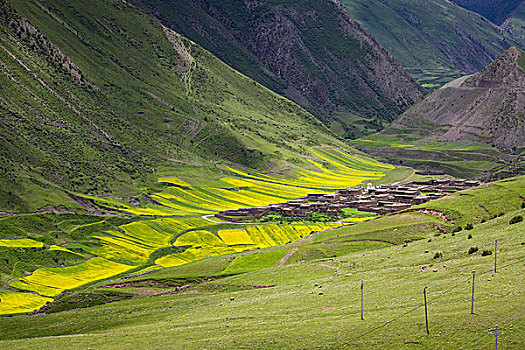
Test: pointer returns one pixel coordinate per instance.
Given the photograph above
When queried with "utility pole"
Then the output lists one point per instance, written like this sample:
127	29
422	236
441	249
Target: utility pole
426	313
472	302
495	253
361	299
496	337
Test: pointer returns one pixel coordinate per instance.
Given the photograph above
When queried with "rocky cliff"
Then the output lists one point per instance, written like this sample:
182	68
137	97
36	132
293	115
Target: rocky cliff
488	107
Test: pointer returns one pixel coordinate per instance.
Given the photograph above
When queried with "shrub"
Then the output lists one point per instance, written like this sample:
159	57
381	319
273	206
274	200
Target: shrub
516	219
472	250
469	236
486	252
469	227
457	229
438	255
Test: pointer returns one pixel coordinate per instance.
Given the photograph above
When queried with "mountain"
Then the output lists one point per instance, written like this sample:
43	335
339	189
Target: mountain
311	51
471	127
496	11
121	139
484	107
432	38
97	98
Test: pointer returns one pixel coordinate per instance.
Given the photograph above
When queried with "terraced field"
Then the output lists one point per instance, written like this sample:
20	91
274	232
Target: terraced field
174	233
15	302
21	243
459	159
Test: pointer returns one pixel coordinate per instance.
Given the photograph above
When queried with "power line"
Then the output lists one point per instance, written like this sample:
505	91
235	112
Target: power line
421	305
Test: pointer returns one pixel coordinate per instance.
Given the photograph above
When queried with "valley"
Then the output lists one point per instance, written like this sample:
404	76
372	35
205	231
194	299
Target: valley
261	174
172	231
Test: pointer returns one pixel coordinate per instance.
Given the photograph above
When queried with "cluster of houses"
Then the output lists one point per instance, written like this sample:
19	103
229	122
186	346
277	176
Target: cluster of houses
381	200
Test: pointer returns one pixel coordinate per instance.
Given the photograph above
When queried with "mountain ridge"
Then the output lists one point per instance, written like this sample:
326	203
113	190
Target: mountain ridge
313	53
495	11
506	71
436	40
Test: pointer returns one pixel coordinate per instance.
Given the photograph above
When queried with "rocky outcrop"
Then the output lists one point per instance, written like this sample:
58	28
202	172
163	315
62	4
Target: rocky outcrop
32	37
487	107
504	72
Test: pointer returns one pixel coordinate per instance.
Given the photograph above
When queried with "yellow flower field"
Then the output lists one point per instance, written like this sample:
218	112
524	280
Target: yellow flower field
52	281
235	237
333	170
205	244
19	302
174	219
62	249
21	243
198	238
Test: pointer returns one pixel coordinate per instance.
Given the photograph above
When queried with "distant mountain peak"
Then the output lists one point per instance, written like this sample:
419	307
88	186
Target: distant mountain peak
508	70
488	107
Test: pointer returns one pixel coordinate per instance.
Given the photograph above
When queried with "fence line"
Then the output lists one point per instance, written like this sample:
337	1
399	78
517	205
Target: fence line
442	293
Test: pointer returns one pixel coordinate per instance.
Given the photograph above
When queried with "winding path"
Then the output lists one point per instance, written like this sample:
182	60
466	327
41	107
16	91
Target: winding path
207	218
406	178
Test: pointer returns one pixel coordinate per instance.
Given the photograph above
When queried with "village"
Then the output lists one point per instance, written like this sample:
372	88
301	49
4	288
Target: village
382	199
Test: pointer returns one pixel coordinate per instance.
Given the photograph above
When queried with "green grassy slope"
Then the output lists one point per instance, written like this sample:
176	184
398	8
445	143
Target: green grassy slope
461	159
97	97
313	300
429	35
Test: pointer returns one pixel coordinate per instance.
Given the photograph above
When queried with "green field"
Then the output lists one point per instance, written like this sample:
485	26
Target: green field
432	79
459	159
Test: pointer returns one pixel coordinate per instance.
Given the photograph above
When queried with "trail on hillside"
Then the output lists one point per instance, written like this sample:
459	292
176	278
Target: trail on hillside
285	258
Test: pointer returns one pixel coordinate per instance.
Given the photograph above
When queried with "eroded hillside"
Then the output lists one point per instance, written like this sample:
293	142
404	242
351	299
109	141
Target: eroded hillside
312	52
486	107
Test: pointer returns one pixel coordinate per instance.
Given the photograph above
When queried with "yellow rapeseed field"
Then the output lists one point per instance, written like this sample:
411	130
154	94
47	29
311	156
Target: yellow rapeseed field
19	302
174	220
205	244
235	237
52	281
21	243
